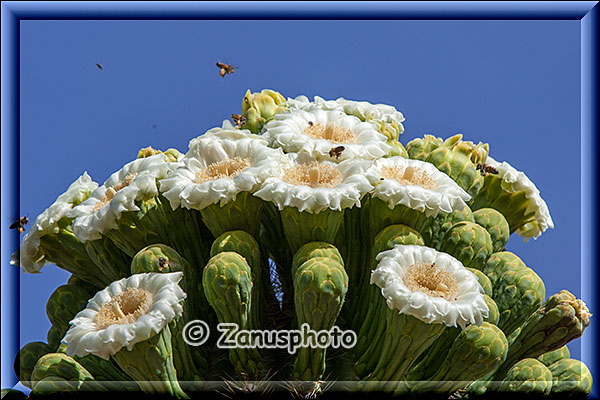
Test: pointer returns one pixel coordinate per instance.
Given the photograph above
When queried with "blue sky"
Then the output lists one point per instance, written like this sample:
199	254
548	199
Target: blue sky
512	84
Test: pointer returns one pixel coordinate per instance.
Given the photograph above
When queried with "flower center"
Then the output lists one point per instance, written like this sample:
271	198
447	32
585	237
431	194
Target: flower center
330	132
126	308
408	176
229	168
111	191
314	175
434	282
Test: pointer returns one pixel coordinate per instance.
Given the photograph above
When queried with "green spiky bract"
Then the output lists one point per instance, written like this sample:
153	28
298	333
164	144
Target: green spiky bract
496	225
420	148
320	286
469	243
475	352
227	283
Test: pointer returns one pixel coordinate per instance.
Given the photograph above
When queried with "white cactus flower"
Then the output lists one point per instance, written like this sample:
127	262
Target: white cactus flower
128	311
316	186
514	181
30	256
314	133
431	286
136	181
218	166
417	185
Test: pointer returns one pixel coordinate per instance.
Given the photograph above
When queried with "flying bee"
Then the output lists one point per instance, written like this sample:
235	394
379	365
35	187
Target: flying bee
225	69
486	169
100	66
19	224
162	263
238	120
336	152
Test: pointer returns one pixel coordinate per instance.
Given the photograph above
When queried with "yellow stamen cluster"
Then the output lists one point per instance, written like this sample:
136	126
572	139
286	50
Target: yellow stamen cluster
229	168
408	176
126	308
111	191
330	132
314	175
431	280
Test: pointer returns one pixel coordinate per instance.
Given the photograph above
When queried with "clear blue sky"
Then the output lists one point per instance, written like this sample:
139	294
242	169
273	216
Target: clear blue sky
513	84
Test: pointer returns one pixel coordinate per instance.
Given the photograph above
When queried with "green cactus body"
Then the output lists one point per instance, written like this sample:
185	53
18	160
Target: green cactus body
54	336
259	108
551	357
150	364
496	225
429	361
26	359
369	316
484	281
89	289
244	244
227	282
243	213
570	378
454	159
527	376
376	215
320	286
559	320
110	259
469	243
421	148
518	293
433	229
61	366
476	351
160	258
301	227
500	262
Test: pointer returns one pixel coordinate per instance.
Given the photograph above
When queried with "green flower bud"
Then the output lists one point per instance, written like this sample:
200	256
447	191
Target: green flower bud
315	249
61	366
469	243
26	359
433	229
453	157
484	281
54	336
571	378
496	225
397	149
420	148
559	320
500	262
527	376
551	357
518	293
64	303
259	108
476	351
320	286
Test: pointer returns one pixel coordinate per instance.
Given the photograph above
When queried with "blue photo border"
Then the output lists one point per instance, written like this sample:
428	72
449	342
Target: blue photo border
12	12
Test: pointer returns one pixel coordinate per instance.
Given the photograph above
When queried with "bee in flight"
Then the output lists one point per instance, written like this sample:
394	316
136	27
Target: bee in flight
100	66
486	169
238	120
336	152
19	224
225	69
